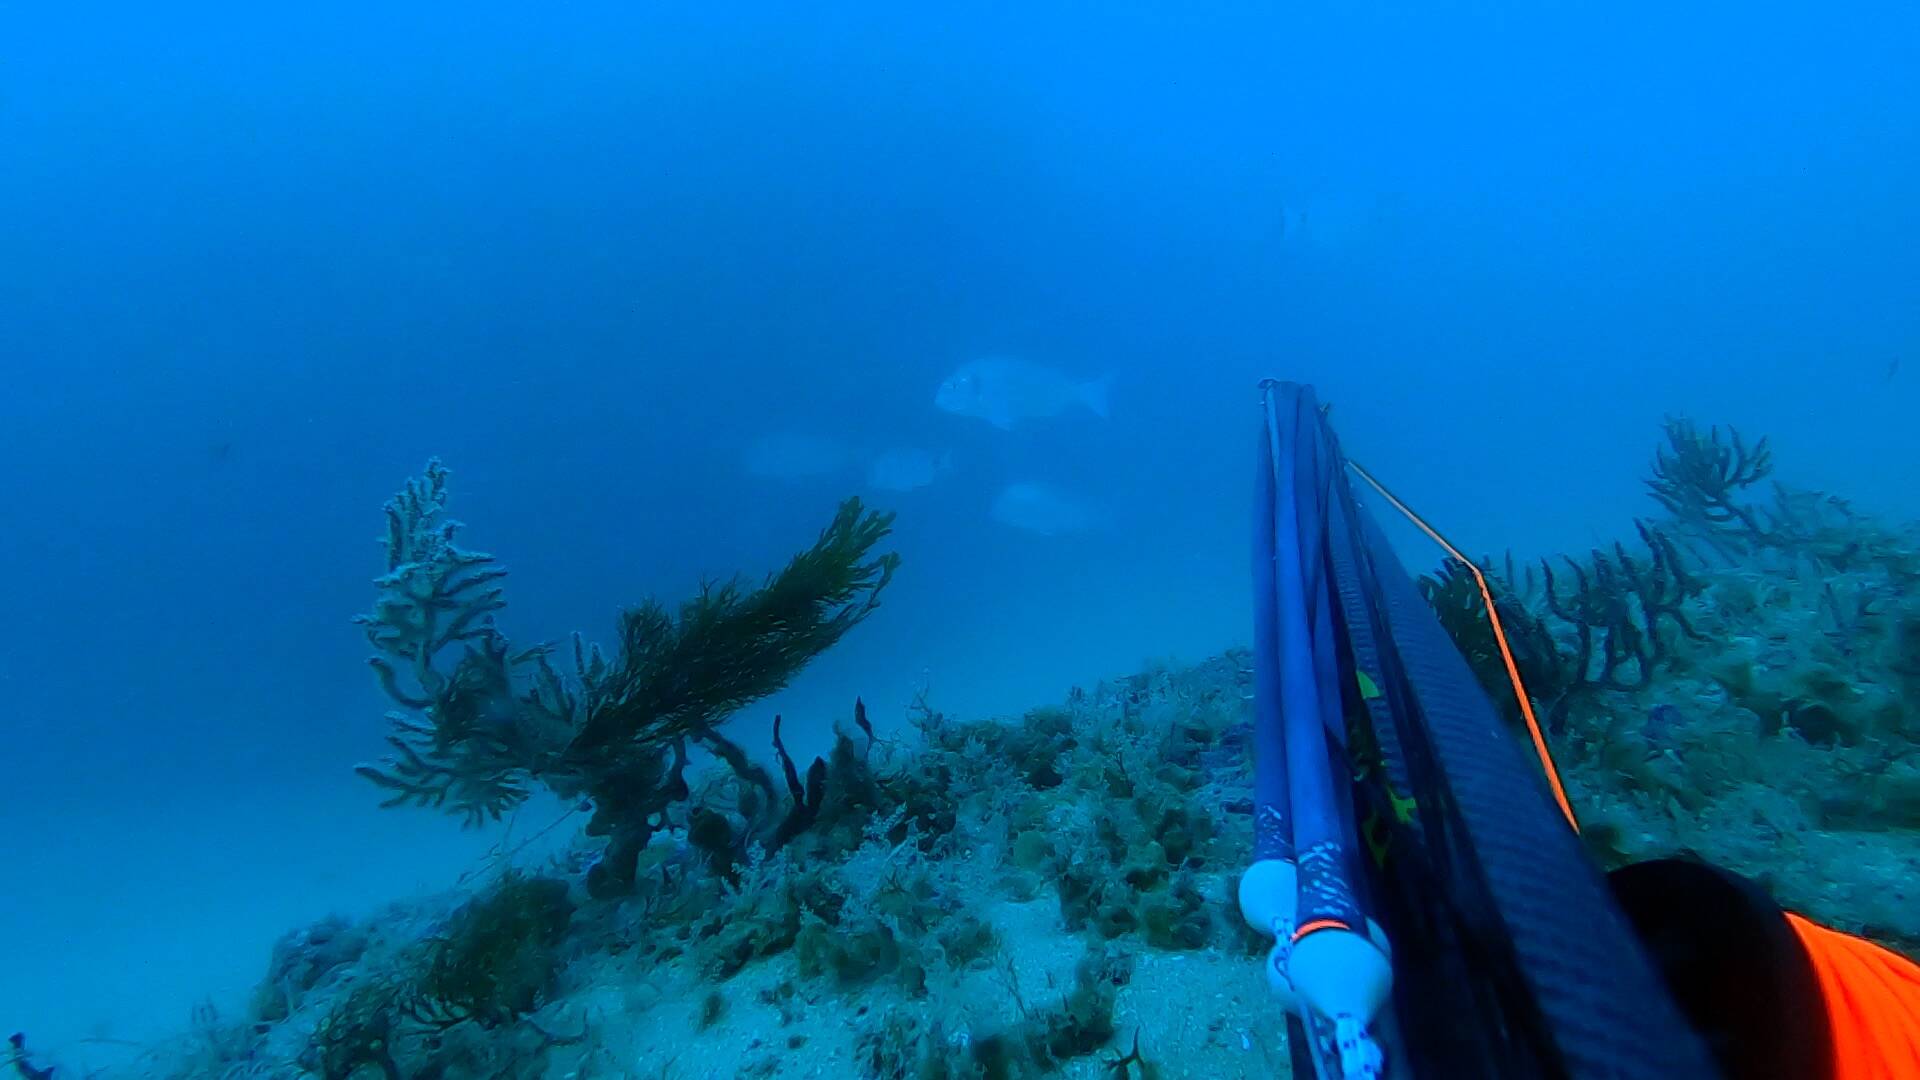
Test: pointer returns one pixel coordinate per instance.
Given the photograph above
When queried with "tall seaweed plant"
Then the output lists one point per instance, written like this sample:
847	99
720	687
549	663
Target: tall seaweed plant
479	724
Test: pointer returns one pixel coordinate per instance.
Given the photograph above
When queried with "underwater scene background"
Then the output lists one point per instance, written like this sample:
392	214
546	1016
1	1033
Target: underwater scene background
1623	296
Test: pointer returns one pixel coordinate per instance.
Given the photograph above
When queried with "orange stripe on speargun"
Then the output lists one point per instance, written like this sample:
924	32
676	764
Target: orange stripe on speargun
1499	635
1317	925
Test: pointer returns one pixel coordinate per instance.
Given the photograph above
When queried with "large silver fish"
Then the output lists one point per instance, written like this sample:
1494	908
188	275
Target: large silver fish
1004	392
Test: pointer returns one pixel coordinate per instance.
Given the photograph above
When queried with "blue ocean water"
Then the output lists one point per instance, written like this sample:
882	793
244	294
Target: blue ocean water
257	266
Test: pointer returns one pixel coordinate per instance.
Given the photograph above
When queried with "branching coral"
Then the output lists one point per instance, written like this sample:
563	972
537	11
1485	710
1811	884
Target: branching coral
1699	478
1618	602
1829	531
1702	480
475	735
474	749
1455	598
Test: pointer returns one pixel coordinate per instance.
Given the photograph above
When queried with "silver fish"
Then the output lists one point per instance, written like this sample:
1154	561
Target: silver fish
1004	392
1041	509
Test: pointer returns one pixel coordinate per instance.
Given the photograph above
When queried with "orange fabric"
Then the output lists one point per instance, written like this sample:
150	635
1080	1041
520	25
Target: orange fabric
1873	1003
